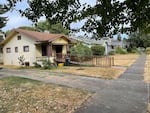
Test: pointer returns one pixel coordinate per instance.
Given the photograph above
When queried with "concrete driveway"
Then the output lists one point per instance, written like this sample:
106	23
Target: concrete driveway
128	94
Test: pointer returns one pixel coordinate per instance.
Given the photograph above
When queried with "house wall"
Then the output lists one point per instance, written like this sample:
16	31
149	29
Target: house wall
60	41
38	51
64	51
12	57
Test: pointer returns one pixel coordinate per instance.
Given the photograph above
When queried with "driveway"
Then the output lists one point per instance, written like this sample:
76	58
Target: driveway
128	94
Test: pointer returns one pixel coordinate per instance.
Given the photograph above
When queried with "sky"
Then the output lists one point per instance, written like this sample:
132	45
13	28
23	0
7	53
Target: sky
15	20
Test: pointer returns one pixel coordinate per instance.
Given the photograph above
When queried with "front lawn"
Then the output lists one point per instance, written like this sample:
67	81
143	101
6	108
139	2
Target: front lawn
20	95
147	74
99	72
147	69
125	60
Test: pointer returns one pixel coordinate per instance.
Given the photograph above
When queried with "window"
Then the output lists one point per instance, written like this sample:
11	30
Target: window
112	47
26	48
16	49
19	37
1	50
8	50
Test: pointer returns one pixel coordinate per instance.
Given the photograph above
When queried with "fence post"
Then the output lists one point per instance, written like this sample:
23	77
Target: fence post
112	61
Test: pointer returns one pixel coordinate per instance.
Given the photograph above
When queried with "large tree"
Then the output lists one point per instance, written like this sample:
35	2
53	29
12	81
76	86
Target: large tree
52	28
3	20
107	17
139	39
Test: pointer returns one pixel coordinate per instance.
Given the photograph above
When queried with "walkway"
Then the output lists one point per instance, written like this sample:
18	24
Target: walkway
128	94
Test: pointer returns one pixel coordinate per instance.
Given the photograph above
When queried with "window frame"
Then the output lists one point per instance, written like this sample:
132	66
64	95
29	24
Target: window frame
25	49
19	37
8	50
16	49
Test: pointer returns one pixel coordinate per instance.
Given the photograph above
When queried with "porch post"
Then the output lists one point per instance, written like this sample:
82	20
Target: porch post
49	49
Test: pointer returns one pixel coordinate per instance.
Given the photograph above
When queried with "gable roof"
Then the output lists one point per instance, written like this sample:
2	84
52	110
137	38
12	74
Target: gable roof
37	36
91	41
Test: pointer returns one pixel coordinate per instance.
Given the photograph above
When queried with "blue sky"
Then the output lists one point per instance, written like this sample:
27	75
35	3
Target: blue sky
15	20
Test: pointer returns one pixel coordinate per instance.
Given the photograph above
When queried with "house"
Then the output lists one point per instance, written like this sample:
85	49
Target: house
105	41
34	46
109	43
116	43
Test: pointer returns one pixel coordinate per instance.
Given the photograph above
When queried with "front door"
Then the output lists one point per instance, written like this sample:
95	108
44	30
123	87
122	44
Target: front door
44	49
59	49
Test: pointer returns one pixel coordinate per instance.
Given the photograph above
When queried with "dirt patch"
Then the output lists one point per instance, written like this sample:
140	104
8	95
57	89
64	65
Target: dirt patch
125	60
20	95
106	73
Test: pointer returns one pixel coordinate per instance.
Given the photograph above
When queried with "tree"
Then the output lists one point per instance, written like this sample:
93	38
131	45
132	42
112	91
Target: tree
28	28
139	39
98	50
54	28
3	20
119	38
106	18
81	51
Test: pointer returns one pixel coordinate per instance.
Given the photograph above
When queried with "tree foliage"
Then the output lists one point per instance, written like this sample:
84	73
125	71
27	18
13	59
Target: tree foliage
119	38
81	51
54	28
28	28
105	18
139	39
98	50
3	20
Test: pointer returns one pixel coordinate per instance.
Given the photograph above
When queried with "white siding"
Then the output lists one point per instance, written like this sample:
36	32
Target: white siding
12	58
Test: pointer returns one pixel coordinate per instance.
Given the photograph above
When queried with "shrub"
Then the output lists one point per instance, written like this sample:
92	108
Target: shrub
46	64
36	65
120	50
132	50
111	53
98	50
81	51
148	50
21	60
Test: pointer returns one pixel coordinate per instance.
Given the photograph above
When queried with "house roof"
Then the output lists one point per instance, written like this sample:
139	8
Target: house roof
37	36
91	41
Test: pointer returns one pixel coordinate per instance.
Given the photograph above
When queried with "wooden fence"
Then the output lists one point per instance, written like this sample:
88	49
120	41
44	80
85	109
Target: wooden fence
104	61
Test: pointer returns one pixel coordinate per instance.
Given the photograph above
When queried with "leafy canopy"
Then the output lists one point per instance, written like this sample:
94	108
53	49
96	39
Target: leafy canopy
3	20
105	18
54	28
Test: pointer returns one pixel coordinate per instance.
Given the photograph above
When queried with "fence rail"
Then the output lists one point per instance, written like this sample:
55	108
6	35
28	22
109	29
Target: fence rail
104	61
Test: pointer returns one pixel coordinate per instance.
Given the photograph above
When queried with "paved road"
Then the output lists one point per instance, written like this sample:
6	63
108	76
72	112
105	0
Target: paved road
128	94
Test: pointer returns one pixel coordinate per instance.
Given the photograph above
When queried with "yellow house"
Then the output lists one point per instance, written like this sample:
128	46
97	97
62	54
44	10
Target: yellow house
34	46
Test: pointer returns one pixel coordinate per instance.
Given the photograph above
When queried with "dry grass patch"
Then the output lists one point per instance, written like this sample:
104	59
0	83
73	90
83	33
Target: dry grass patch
147	74
20	95
10	66
147	69
106	73
125	60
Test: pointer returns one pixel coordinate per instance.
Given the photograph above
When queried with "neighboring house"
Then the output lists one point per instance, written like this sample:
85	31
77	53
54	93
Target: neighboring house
90	42
116	43
34	46
109	43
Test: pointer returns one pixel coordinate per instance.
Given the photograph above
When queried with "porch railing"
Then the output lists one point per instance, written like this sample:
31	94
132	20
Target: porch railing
42	58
